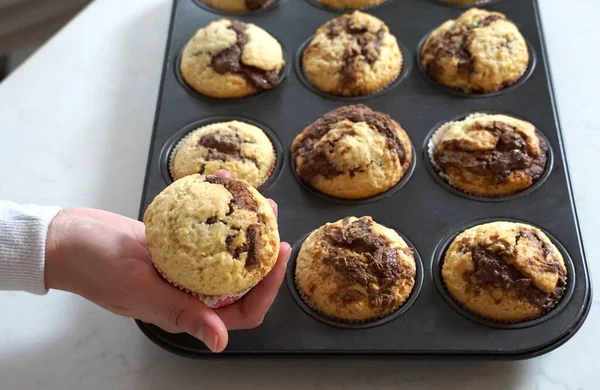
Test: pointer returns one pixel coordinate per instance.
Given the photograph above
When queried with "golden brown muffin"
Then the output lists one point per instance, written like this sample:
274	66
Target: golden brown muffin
238	6
352	152
352	55
242	149
231	59
350	4
212	236
480	52
355	270
489	155
504	271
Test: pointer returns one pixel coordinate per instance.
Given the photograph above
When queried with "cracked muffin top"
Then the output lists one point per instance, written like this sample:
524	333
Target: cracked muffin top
232	59
212	236
479	52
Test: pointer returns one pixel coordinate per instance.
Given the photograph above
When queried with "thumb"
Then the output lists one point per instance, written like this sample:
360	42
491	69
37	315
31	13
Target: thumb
176	311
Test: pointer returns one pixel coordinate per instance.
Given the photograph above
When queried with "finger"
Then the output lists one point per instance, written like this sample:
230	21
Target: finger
223	174
176	311
250	311
274	206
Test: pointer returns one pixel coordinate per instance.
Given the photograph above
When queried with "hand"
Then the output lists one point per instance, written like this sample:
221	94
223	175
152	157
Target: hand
104	258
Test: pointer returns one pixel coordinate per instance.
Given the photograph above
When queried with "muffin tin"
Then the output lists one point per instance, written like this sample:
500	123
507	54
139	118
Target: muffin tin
427	214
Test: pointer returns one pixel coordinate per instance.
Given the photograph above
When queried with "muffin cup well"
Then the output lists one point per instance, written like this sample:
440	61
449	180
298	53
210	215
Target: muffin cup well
212	301
406	68
268	8
175	141
456	91
438	261
434	137
315	3
282	76
173	151
302	302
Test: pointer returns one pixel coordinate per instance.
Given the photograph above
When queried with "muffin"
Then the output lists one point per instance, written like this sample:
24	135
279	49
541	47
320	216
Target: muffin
350	4
231	59
242	149
211	236
352	152
355	270
504	271
238	6
489	155
480	52
352	55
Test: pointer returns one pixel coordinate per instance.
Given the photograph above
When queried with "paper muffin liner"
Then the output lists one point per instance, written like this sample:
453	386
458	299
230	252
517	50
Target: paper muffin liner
212	301
308	302
435	139
176	147
501	322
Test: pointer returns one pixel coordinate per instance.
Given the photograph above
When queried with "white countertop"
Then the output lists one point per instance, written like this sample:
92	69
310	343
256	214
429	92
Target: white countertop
75	125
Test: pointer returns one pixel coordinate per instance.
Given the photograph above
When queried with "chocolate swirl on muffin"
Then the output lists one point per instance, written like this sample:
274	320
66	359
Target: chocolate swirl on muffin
355	269
479	52
489	155
505	271
241	148
230	59
352	55
352	152
238	6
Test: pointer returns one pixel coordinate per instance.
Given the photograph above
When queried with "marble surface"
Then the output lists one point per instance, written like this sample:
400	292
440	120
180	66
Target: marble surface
75	124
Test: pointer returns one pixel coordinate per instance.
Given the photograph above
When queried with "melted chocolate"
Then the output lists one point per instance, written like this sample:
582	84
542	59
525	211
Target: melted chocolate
455	43
510	154
230	61
369	45
223	147
364	258
315	160
493	268
241	198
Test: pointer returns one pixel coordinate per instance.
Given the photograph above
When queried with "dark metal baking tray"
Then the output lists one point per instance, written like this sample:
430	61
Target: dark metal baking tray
423	210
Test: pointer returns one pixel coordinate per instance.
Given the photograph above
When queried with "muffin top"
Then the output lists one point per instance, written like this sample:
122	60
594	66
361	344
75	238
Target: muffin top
505	271
355	270
480	52
229	59
238	5
211	236
472	2
352	55
350	4
352	152
489	155
242	149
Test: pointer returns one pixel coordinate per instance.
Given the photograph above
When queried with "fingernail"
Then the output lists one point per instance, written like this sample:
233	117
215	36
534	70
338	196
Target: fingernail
215	343
288	253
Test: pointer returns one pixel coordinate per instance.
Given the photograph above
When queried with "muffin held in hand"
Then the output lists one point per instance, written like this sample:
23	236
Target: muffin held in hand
211	236
504	271
489	155
242	149
350	4
480	52
238	5
352	55
352	152
355	270
232	59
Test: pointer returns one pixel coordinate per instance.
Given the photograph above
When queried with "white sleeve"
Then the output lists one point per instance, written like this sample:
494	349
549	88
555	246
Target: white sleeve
23	230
